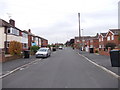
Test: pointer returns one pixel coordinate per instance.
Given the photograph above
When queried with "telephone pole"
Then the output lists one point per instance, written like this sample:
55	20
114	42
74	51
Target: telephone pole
79	27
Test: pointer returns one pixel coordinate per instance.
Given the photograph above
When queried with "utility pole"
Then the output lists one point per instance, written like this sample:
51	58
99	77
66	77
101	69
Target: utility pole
79	27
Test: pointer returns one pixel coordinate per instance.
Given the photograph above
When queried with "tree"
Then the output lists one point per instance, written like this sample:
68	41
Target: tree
112	45
15	48
34	49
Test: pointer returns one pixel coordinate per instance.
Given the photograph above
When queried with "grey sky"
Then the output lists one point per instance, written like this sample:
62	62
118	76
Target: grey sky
57	20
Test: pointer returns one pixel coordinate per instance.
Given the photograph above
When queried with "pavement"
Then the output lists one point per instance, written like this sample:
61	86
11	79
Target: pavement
11	65
64	69
100	60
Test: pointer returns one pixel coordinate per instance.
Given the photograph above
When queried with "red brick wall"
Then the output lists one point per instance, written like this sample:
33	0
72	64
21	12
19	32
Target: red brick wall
2	55
44	42
104	53
96	43
102	42
116	41
29	41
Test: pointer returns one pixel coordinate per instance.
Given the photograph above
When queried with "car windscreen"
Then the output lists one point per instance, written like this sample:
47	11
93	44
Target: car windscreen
43	50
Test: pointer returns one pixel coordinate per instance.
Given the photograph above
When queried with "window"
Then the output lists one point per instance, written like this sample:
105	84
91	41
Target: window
32	38
108	38
112	37
102	39
8	44
24	45
13	31
99	39
24	35
77	40
8	31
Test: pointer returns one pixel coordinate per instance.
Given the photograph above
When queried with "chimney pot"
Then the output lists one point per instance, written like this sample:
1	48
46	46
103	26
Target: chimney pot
29	30
12	22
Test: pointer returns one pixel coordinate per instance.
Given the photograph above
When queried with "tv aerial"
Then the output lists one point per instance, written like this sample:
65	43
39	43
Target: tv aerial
9	15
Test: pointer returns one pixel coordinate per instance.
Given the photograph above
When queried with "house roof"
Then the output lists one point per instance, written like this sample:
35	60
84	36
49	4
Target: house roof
103	34
88	37
115	31
4	23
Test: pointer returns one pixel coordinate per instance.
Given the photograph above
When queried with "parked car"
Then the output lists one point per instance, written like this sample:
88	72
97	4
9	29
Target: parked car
43	52
60	47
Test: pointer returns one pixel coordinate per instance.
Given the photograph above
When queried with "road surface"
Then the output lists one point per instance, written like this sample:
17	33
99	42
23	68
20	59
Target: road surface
64	69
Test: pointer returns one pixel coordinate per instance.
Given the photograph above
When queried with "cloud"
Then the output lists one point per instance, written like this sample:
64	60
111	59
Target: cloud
57	20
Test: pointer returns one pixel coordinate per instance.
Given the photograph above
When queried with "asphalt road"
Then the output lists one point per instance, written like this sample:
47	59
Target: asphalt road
64	69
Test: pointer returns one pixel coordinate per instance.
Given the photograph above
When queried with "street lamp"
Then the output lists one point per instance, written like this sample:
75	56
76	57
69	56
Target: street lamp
82	40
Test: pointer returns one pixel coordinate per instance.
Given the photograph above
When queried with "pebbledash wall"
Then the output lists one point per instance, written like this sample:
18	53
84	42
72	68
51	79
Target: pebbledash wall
2	37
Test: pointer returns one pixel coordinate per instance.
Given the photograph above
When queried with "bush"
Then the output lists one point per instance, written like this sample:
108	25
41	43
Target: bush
34	49
15	48
96	51
111	45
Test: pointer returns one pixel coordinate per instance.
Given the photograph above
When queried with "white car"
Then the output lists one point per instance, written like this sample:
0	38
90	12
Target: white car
60	47
43	52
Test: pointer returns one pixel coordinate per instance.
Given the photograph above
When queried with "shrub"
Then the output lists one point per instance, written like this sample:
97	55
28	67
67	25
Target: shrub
96	51
15	48
34	49
112	45
119	36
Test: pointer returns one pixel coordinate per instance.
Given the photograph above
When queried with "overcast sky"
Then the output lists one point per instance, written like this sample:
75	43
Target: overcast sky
57	20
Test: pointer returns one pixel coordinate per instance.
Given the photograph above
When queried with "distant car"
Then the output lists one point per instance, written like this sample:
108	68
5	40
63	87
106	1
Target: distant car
60	47
43	52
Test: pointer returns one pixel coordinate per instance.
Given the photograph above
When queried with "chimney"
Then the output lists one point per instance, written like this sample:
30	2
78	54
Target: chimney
12	22
29	30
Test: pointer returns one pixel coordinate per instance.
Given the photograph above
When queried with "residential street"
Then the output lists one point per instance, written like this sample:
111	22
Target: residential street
64	69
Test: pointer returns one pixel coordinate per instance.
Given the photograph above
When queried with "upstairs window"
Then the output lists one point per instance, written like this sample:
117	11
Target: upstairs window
108	38
13	31
8	31
24	35
112	37
102	39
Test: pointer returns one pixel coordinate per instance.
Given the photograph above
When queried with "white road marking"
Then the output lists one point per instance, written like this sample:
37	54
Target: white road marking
103	68
19	68
22	68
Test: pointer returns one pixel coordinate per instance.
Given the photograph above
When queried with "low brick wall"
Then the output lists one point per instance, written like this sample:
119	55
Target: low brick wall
2	55
104	53
9	58
4	58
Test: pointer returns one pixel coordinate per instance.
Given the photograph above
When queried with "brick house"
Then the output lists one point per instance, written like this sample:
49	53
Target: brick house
9	33
102	41
24	39
44	42
112	36
83	42
94	43
36	40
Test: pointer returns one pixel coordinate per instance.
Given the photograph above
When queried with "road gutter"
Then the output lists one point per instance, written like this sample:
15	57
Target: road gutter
103	68
18	68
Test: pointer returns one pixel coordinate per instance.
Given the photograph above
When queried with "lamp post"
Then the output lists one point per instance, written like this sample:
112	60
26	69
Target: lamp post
82	40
